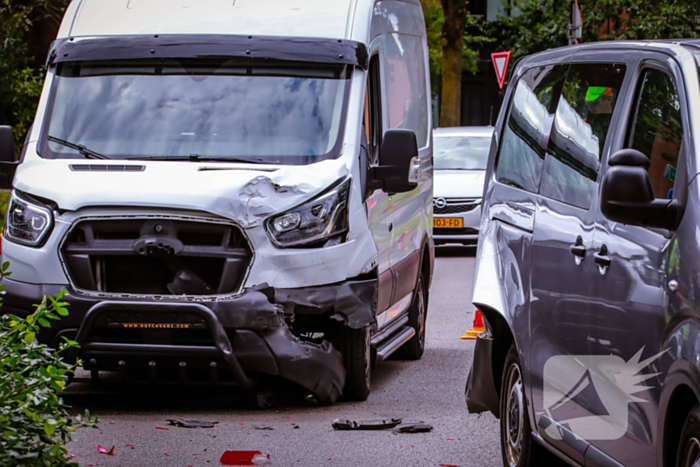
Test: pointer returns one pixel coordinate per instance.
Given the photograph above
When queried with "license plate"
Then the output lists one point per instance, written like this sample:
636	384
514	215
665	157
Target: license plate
448	222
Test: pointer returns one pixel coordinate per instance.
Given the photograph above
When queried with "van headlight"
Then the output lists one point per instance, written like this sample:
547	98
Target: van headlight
27	222
316	220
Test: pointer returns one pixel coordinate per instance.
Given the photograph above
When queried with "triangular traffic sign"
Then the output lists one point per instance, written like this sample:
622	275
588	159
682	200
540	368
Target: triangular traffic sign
500	63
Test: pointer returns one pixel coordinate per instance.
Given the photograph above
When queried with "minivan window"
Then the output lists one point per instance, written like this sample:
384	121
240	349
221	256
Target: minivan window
657	129
581	125
220	109
406	88
461	152
525	136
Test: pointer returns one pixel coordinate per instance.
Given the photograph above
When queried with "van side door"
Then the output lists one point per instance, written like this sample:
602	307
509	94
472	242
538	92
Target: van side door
562	264
633	302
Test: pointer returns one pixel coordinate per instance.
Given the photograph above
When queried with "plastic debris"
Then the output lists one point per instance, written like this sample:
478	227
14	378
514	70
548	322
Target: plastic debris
244	458
262	427
161	428
102	450
340	424
450	439
448	465
191	423
413	427
295	426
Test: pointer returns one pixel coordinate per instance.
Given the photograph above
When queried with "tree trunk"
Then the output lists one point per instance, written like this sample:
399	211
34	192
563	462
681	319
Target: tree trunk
452	43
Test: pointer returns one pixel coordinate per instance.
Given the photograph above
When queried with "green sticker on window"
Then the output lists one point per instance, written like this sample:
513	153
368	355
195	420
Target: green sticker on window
594	92
670	172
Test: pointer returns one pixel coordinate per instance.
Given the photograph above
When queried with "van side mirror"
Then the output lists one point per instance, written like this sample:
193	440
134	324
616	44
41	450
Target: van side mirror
628	198
7	157
399	165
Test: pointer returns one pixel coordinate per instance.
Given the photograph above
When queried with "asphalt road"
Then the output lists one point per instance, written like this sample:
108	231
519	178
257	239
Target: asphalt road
430	390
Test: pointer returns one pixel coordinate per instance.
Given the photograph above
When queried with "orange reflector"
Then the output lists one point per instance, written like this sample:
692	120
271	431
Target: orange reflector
477	327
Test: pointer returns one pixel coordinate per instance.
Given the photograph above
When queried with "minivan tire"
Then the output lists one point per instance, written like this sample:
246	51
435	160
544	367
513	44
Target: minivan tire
689	445
417	316
515	420
357	356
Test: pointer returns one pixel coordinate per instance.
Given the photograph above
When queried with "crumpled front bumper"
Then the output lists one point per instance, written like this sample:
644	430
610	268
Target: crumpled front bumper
247	335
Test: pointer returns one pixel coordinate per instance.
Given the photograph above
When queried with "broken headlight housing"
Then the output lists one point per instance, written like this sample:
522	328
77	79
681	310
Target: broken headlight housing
27	222
316	220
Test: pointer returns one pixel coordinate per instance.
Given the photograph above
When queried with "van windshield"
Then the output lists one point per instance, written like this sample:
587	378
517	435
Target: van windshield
196	110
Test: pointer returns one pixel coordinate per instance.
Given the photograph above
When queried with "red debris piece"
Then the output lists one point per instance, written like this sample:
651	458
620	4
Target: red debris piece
129	445
72	456
448	465
242	457
450	439
161	428
102	450
117	413
111	423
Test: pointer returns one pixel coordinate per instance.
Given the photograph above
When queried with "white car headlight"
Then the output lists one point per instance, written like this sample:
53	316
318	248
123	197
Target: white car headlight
321	218
27	222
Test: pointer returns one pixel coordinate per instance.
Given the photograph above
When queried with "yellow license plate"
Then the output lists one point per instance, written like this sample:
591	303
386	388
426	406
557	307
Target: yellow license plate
448	222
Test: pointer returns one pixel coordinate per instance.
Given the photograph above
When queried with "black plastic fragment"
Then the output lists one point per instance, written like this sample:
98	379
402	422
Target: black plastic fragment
262	427
413	427
191	423
340	424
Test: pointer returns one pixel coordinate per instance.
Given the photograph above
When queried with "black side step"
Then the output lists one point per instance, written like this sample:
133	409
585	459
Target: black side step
390	339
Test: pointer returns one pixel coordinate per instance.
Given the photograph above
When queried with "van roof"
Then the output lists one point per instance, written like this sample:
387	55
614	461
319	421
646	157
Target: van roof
290	18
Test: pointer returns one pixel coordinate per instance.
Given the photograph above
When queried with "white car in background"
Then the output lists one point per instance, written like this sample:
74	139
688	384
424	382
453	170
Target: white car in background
459	157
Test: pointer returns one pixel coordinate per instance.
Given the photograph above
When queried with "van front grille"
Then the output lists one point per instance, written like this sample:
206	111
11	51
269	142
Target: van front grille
156	255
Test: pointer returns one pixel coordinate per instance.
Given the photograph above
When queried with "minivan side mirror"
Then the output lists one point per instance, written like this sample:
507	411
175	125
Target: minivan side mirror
7	157
398	157
627	196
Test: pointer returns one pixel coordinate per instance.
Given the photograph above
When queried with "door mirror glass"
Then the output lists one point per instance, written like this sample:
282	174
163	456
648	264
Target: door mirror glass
628	197
396	172
7	144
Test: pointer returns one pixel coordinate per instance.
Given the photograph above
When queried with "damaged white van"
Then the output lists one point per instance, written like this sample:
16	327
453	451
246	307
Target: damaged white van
230	191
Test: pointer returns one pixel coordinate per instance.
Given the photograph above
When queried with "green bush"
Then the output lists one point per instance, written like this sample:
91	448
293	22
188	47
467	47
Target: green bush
34	422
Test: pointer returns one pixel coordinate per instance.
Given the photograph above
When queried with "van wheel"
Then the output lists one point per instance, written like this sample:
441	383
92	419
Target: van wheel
357	354
689	446
517	446
417	314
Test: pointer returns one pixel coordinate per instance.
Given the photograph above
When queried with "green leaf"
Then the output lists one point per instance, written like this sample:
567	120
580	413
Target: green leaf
61	311
50	427
29	337
44	322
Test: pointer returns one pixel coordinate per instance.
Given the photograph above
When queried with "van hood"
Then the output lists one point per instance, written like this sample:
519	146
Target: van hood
245	193
458	183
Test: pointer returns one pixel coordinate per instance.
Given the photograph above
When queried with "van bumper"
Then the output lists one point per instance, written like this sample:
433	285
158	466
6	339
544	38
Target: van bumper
481	393
241	339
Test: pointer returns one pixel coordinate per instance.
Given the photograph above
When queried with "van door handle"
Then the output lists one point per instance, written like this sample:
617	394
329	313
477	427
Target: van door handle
601	258
577	249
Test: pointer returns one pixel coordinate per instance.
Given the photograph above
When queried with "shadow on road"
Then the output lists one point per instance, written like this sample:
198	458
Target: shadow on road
455	250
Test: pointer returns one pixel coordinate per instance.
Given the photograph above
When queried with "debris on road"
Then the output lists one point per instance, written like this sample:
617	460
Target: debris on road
244	458
191	423
161	428
295	426
102	450
340	424
413	427
262	427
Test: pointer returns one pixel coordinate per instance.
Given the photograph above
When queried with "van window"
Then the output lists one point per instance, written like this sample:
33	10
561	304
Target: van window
657	129
406	88
373	110
213	108
526	134
581	125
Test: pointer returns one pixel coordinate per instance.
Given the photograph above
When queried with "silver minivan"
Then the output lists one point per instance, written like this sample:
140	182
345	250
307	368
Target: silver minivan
588	266
230	191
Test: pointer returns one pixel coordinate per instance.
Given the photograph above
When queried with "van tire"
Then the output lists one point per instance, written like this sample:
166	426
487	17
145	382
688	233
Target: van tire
689	445
357	356
417	317
531	453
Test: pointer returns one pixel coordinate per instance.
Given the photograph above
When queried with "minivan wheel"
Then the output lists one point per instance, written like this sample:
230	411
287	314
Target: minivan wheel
516	437
689	446
357	354
417	314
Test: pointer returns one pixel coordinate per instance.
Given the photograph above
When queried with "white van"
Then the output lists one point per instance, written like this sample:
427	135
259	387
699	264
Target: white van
230	190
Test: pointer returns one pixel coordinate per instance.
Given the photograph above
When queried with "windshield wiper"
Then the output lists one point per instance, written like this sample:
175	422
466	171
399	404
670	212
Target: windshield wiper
198	158
88	153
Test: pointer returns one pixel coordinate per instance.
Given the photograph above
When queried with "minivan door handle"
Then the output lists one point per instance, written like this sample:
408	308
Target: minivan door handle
601	258
577	249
